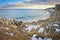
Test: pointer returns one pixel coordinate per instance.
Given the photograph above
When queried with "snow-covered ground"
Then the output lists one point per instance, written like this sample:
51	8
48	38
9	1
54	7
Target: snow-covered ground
30	27
57	30
55	25
34	38
41	30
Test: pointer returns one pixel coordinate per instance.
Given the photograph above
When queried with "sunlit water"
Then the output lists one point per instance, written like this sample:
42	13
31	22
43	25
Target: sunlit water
25	14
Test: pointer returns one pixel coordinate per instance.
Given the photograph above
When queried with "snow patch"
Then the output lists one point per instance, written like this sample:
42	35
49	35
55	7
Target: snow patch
56	25
47	38
57	30
40	39
41	29
12	34
34	37
30	27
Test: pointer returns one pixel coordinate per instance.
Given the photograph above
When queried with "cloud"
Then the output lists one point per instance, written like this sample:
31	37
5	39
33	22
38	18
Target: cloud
43	2
13	5
20	6
28	0
31	4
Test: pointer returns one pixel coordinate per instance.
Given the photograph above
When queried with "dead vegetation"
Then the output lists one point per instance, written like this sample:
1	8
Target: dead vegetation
9	30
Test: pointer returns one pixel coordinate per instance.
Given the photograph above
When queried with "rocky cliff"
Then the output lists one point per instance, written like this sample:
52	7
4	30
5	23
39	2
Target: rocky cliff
57	12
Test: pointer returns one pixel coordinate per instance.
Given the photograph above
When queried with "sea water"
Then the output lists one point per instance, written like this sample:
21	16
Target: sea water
25	14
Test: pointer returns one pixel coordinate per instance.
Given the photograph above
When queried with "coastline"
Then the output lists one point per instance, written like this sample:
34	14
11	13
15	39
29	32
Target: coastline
35	21
41	29
29	28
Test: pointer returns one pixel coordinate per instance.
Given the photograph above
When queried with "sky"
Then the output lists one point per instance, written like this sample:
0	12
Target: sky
10	1
28	3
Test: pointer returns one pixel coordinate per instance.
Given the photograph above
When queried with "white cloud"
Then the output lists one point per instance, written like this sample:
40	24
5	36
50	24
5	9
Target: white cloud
43	1
28	0
29	4
30	7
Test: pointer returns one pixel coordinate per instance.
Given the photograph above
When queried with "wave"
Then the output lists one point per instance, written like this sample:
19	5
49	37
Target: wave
33	18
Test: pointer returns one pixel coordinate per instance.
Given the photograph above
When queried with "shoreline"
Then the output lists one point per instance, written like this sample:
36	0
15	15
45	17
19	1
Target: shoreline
37	27
32	28
46	29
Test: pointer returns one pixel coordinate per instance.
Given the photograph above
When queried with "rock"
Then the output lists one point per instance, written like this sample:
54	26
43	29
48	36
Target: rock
57	12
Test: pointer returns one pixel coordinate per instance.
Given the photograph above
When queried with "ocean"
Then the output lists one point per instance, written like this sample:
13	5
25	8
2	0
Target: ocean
28	15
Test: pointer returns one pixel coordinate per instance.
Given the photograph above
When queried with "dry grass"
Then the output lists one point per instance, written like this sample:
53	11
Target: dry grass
10	31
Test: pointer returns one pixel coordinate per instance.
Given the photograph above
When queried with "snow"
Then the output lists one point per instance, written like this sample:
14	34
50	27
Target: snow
34	37
47	38
41	29
57	30
12	34
56	25
30	27
40	39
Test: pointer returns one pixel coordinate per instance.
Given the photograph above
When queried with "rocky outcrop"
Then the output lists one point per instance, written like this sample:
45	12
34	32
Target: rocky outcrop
57	13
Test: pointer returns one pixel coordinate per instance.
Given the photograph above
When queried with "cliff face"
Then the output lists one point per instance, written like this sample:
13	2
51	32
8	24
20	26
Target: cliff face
57	13
10	31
